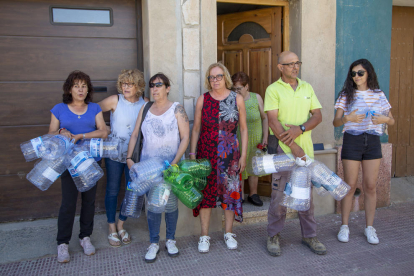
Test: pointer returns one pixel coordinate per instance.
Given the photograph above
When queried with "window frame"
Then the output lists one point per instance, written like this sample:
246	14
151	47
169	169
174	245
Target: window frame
111	17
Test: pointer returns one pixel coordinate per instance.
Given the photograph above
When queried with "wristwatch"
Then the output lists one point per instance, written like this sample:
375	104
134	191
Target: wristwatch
303	128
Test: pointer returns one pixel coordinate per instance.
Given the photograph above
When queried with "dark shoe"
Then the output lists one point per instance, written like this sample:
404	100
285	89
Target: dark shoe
255	200
314	245
273	246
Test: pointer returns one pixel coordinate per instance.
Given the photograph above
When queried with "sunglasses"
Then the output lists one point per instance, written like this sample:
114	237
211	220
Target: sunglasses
157	84
215	78
360	73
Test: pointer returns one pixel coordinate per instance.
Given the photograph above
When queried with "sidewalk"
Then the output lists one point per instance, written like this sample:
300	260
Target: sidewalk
393	256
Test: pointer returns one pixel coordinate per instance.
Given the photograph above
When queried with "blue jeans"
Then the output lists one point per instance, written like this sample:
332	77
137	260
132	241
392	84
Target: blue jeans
154	223
114	172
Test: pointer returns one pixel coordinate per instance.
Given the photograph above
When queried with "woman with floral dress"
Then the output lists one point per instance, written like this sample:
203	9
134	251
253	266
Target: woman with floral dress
218	114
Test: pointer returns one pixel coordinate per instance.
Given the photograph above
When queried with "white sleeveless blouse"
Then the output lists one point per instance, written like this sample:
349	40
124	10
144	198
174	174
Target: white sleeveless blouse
123	121
161	137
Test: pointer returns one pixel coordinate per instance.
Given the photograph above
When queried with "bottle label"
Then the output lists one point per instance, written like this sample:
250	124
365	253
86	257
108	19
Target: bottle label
333	181
37	143
96	147
73	171
82	161
300	193
65	140
51	174
288	189
268	165
165	196
128	187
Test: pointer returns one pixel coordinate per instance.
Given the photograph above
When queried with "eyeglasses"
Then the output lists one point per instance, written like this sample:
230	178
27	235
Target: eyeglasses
129	85
215	78
360	73
293	64
157	84
238	89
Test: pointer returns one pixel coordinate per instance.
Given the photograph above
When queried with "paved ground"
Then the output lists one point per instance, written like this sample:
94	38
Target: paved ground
393	256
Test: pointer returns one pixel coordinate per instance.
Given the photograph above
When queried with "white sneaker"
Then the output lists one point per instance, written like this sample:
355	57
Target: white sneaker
343	235
230	241
171	248
371	235
204	244
152	252
63	253
87	246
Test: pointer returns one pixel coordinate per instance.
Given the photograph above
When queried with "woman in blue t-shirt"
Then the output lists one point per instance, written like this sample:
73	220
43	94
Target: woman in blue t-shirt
77	118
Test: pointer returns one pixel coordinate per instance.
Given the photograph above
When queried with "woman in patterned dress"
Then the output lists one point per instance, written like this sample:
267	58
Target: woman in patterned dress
218	114
257	126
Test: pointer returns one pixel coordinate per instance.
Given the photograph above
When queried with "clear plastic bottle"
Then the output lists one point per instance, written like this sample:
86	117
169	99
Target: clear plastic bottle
99	147
272	163
172	203
132	203
84	170
300	195
32	149
320	190
259	151
363	109
46	172
55	147
147	170
329	180
141	188
158	197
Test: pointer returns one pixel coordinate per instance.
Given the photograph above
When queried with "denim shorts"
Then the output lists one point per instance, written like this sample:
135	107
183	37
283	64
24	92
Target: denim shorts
361	147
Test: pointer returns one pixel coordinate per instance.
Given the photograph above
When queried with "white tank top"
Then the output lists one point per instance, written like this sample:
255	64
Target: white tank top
123	121
161	135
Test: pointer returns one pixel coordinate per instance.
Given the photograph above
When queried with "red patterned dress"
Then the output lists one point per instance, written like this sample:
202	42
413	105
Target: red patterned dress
218	143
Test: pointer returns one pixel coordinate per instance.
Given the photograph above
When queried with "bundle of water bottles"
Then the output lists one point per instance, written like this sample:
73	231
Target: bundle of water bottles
58	153
302	176
156	177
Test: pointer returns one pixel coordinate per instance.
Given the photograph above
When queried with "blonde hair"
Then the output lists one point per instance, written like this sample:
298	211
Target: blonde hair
132	76
226	73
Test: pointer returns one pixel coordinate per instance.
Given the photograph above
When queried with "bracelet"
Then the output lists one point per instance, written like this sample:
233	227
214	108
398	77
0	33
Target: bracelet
60	129
129	158
191	153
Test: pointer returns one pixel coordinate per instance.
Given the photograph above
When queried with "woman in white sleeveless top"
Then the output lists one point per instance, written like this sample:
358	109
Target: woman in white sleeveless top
124	110
166	134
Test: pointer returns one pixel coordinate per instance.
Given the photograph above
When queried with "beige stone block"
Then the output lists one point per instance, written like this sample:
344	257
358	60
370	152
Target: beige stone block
208	32
191	12
192	84
189	107
191	48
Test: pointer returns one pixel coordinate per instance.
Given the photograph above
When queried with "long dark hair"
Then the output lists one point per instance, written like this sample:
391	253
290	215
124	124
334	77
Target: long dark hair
70	82
349	87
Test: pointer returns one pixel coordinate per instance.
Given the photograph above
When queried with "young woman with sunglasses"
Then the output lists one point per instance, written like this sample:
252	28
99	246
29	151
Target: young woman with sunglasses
363	109
166	134
124	109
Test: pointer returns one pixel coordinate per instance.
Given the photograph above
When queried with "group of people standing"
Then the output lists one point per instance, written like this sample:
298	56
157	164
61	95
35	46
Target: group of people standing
229	122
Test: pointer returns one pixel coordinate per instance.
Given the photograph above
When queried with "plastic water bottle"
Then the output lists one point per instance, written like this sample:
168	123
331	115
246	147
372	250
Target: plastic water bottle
158	197
200	183
146	170
132	203
363	109
32	149
141	188
259	151
46	172
99	147
172	203
300	195
272	163
190	198
85	171
329	180
198	168
55	147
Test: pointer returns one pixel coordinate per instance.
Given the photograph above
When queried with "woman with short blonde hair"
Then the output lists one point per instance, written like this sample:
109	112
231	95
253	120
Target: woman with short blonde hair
124	108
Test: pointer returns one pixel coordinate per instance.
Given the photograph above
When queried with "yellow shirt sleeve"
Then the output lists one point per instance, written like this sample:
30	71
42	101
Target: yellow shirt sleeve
271	101
315	104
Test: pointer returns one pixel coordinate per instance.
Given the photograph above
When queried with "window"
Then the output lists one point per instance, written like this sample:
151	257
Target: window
252	28
81	16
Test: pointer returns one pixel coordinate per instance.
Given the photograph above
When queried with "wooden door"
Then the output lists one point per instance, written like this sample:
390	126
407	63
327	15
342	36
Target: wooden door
251	42
36	58
401	135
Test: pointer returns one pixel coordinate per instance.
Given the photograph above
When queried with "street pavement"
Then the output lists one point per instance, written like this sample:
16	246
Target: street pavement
394	255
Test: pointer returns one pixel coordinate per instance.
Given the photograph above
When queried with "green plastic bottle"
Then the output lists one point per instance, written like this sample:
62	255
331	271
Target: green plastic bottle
190	198
198	167
200	183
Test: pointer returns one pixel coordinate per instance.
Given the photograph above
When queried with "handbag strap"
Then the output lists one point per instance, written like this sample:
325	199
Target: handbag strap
137	149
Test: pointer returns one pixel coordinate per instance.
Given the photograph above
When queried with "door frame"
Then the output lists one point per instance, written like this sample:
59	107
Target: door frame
277	3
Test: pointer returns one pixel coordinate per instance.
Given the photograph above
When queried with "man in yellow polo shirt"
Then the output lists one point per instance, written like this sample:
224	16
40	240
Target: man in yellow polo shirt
289	104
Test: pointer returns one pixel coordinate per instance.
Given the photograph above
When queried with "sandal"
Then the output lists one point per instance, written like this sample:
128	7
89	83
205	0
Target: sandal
114	237
125	239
